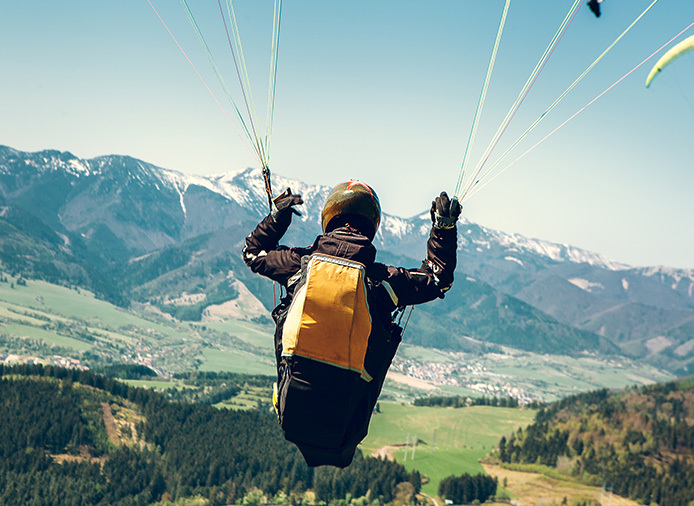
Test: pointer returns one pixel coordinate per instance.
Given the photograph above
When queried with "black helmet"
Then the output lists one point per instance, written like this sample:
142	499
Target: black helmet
356	203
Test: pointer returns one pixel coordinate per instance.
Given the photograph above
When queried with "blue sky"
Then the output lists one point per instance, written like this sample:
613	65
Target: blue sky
383	91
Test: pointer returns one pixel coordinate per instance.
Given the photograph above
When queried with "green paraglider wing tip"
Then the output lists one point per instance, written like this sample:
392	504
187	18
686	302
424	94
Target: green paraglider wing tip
675	52
651	75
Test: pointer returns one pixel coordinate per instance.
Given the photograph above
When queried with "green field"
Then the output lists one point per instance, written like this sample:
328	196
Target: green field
250	398
235	361
252	333
450	441
155	384
52	338
78	305
42	320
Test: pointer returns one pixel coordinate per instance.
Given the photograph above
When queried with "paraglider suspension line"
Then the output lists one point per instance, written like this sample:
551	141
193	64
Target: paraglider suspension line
588	104
398	316
408	319
268	190
268	186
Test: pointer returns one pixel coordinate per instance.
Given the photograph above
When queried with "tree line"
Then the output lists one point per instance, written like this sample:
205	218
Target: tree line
458	401
640	442
187	450
466	489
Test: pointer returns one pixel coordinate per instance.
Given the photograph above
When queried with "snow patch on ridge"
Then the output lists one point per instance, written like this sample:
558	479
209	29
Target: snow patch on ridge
514	259
585	285
557	252
78	168
396	226
180	199
179	183
681	280
231	191
676	275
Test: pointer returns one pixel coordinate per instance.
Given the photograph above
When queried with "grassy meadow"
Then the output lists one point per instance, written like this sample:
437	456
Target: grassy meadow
236	361
43	320
449	441
250	397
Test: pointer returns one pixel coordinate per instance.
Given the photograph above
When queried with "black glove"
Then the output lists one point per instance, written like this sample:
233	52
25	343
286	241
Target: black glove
284	204
444	212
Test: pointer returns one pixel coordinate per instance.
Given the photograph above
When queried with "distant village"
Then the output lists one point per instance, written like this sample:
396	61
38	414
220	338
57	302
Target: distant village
66	362
142	356
473	376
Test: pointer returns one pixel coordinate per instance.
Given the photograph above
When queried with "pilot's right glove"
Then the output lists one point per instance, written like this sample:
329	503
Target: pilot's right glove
444	211
283	204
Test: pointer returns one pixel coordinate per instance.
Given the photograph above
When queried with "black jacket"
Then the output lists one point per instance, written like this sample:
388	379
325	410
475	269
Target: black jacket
328	417
264	255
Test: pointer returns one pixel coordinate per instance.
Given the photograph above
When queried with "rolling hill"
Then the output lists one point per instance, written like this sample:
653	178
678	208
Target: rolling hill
638	442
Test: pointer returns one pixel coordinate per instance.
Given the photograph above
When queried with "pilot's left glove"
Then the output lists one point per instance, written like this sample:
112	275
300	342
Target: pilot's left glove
444	211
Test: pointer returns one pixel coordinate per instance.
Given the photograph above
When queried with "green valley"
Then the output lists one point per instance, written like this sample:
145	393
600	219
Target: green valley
440	442
52	324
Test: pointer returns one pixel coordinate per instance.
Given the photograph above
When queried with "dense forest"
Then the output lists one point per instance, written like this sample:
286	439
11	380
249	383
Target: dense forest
639	442
76	437
466	489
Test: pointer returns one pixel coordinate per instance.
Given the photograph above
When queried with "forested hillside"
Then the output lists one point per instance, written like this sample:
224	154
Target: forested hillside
75	437
638	442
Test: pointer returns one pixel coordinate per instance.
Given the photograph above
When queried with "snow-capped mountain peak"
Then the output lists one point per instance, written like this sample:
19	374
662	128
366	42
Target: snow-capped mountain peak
246	188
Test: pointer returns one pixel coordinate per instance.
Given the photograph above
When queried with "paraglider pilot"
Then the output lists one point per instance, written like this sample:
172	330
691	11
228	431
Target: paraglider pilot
335	334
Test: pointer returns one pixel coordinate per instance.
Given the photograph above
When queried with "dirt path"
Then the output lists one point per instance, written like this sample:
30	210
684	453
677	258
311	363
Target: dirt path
533	489
386	452
432	499
110	423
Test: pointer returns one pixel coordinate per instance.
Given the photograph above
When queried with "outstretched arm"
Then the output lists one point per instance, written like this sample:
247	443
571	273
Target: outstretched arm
262	252
435	277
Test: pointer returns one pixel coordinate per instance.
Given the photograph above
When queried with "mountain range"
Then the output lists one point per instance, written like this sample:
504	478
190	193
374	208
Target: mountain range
131	231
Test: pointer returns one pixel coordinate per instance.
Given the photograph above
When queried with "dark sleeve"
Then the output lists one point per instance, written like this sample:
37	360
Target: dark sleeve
433	279
263	254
